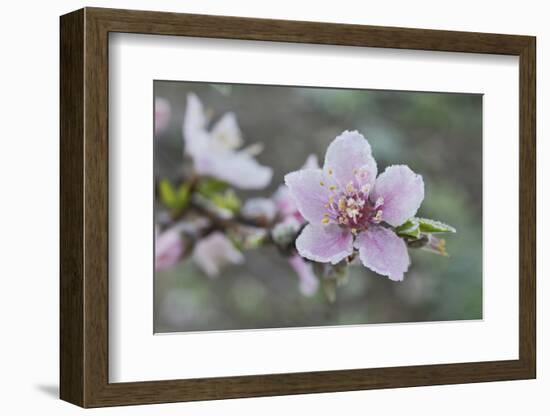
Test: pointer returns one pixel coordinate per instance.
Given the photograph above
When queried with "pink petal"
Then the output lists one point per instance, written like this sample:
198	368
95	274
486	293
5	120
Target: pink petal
308	189
348	153
285	202
162	115
214	252
382	251
308	281
402	191
324	243
168	249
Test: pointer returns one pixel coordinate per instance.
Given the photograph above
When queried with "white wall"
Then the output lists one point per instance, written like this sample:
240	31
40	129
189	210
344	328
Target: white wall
29	208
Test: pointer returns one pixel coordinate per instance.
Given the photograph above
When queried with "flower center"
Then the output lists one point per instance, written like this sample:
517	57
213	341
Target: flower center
351	207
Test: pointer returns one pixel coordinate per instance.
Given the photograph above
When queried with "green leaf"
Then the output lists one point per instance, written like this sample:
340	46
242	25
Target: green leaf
433	226
174	199
210	187
227	200
410	229
167	193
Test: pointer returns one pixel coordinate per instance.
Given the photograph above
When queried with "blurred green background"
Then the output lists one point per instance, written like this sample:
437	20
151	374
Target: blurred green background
439	135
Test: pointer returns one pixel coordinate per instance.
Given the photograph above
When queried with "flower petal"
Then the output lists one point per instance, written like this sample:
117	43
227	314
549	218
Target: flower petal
348	153
324	243
402	191
309	191
162	115
311	162
214	252
236	168
382	251
226	133
196	138
169	248
308	281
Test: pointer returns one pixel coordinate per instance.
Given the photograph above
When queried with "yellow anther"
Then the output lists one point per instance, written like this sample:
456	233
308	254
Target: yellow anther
330	171
332	187
341	204
331	199
325	220
350	188
365	188
322	183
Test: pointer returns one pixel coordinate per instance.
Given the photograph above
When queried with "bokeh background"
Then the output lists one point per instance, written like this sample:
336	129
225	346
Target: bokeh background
439	135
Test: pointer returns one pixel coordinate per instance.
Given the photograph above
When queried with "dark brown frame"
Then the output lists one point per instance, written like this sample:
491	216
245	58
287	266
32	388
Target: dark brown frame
84	208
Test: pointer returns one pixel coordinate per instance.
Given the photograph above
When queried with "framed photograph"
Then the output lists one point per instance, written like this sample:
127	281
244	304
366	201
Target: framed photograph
260	207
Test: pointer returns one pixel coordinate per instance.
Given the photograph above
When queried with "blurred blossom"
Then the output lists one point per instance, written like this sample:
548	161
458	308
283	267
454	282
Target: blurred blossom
308	281
345	204
284	232
215	152
214	252
169	248
162	115
248	237
260	209
435	245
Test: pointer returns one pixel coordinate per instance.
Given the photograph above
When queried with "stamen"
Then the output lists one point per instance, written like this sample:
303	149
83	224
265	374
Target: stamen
332	187
349	188
378	216
325	220
322	183
365	188
341	204
330	171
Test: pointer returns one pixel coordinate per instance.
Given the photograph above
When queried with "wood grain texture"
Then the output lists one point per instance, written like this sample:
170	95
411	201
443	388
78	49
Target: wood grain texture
84	207
71	218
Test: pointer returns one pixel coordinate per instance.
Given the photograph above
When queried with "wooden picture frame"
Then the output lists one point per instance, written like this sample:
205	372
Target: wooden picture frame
84	207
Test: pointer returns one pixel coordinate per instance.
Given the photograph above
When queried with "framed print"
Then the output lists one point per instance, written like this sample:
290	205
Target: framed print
257	207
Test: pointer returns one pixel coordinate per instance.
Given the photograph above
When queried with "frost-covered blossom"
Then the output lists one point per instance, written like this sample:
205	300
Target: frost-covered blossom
286	206
214	252
216	153
347	207
162	115
285	231
169	248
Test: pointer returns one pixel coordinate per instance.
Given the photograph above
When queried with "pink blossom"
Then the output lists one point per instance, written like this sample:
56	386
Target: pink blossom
162	115
215	151
347	207
169	249
286	206
214	252
308	281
